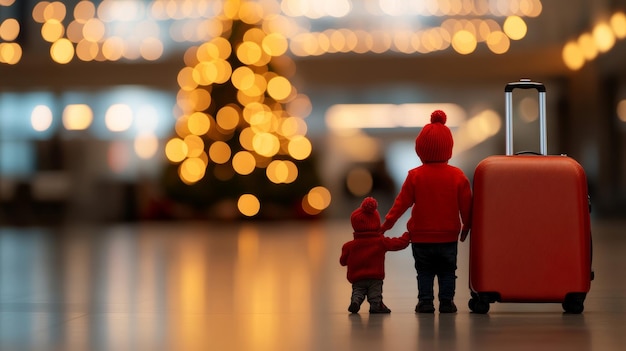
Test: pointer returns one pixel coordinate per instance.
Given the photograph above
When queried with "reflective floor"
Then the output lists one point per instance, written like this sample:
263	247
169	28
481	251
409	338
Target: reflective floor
264	286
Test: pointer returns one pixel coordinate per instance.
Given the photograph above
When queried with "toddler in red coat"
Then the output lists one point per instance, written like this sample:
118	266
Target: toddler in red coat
441	197
365	257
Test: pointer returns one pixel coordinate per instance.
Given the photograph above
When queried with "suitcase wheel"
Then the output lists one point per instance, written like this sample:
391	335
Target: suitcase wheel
478	305
574	303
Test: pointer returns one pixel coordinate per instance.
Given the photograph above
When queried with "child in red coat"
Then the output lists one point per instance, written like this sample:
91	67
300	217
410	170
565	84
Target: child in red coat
365	257
441	197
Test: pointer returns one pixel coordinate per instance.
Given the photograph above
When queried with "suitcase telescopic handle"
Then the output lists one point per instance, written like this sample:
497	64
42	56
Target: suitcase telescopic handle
508	93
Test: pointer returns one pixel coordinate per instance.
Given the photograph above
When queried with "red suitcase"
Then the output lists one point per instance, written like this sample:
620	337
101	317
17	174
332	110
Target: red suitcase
531	236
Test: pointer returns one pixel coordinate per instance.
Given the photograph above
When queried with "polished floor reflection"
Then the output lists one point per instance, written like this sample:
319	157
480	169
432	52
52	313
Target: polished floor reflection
263	286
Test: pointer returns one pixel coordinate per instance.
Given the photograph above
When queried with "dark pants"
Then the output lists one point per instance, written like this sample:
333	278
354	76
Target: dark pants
370	288
435	259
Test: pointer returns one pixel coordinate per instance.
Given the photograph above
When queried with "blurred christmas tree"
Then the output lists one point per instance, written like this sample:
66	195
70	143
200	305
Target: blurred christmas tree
240	147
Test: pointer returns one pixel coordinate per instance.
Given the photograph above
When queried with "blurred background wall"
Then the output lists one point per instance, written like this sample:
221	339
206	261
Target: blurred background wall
132	110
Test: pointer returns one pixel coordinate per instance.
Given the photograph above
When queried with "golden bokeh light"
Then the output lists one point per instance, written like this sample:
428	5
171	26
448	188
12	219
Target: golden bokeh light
192	170
319	198
77	117
359	181
195	145
603	37
10	53
219	152
176	150
93	30
282	171
515	27
573	56
62	51
227	117
244	162
279	88
198	123
618	24
84	10
621	110
265	144
464	42
300	148
249	205
9	29
587	46
52	30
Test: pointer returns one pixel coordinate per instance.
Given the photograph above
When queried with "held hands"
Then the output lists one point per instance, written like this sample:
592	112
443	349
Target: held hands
464	234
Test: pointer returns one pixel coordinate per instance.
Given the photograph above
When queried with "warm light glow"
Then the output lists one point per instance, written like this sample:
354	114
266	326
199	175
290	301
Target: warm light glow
464	42
515	27
93	30
248	205
621	110
77	117
498	42
244	162
573	56
41	118
176	150
603	36
266	144
227	118
10	53
362	116
62	51
219	152
195	145
359	181
300	148
52	31
618	24
319	198
587	46
9	29
191	170
146	145
281	171
198	123
279	88
84	10
118	117
151	49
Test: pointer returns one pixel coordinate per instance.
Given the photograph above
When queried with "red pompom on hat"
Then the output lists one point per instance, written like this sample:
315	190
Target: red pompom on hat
434	143
366	218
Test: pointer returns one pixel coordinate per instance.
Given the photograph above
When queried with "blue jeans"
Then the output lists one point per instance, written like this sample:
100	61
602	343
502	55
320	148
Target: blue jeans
435	259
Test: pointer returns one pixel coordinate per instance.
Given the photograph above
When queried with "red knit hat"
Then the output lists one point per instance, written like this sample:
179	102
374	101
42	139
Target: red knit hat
434	143
366	218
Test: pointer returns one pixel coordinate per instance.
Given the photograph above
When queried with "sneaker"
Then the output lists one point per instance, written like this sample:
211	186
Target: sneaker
354	307
425	306
447	306
380	308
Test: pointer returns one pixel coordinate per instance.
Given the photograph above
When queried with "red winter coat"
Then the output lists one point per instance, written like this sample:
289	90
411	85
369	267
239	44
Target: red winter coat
365	255
441	197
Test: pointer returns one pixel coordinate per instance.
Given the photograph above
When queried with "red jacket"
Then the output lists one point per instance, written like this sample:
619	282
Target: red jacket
441	197
365	255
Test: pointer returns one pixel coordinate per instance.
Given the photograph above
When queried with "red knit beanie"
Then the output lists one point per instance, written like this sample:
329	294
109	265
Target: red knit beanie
434	143
366	218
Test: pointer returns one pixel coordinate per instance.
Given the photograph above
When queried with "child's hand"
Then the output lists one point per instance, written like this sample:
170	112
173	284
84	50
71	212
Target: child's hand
464	235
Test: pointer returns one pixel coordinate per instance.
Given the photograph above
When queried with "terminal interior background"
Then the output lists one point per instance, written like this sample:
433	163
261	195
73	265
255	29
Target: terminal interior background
93	93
